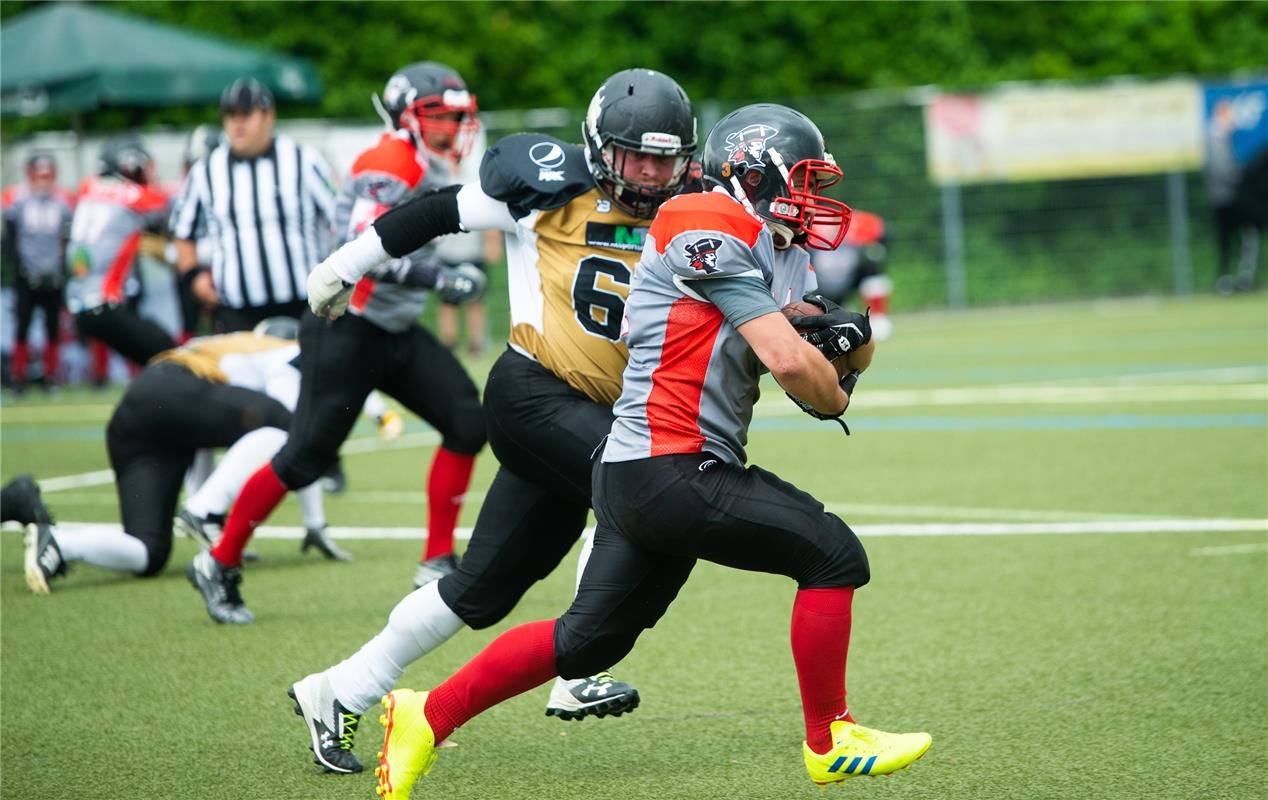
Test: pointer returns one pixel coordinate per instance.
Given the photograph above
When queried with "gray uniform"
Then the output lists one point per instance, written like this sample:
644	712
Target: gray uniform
384	176
38	223
104	237
707	267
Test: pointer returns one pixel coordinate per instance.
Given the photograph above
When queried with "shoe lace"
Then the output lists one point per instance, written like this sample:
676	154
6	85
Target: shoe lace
349	723
602	677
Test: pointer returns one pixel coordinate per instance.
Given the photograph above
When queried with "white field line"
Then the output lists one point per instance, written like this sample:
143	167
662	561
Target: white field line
772	406
1231	550
865	531
352	447
850	510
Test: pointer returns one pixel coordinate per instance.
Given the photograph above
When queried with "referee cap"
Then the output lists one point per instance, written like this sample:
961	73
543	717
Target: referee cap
245	95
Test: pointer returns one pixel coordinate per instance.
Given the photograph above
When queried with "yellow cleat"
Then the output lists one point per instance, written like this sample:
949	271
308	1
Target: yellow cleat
863	751
409	745
390	425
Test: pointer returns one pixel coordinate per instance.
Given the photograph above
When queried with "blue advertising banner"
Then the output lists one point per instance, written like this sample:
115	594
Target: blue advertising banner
1237	112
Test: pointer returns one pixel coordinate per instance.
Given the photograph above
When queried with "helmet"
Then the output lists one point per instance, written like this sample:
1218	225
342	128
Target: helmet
126	157
278	328
41	164
771	158
642	111
202	140
417	94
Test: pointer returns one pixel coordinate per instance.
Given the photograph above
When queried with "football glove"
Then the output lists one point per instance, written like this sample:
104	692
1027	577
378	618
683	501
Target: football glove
328	294
456	285
836	331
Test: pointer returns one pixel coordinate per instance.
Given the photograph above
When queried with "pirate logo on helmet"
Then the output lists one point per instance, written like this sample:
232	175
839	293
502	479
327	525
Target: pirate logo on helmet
704	255
747	145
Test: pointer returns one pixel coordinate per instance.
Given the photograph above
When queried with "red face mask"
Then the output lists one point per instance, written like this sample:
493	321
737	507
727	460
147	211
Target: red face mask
823	220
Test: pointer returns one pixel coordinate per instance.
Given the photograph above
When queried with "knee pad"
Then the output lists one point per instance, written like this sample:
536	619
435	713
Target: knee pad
297	465
579	659
467	436
158	550
844	563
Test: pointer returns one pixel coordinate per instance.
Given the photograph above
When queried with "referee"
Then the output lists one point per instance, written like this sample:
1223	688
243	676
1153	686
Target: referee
266	202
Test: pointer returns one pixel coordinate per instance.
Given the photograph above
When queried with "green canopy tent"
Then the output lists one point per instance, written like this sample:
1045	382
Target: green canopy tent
68	58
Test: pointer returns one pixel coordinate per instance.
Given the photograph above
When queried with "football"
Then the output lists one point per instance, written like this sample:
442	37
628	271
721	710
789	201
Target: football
859	359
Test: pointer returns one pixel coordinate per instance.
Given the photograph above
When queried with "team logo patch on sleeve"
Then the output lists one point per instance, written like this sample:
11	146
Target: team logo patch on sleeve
704	255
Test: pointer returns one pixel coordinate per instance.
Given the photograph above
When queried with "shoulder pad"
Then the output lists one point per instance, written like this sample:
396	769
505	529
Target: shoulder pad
530	171
709	236
390	158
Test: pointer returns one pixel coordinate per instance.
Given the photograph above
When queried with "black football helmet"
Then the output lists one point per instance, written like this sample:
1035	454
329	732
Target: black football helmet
416	96
772	159
641	111
126	157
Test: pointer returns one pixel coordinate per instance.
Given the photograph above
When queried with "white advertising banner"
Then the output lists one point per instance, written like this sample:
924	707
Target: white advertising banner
1046	133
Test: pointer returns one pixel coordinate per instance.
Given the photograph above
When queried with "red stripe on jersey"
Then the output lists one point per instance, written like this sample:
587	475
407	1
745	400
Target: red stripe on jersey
112	286
673	406
392	156
710	211
361	294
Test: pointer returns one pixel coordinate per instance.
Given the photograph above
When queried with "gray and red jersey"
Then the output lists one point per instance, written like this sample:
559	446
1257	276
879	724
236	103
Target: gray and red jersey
38	222
692	379
109	218
385	175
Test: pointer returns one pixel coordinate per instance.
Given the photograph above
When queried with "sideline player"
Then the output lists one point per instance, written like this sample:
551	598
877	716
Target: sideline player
381	345
114	209
576	217
671	486
37	217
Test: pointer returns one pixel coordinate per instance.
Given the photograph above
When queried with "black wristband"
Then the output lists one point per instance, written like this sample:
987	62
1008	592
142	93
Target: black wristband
848	382
411	225
187	277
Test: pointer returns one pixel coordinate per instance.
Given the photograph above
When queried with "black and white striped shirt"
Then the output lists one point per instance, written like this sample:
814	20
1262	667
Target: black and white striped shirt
269	217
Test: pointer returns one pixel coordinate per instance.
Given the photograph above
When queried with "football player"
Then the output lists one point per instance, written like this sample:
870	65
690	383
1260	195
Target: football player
213	392
576	217
380	345
671	486
37	217
114	210
858	265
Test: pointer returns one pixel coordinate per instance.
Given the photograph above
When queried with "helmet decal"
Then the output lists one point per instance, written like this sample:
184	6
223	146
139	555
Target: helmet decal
747	145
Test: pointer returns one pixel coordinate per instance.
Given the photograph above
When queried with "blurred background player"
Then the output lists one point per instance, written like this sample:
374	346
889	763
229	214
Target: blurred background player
671	485
266	202
858	265
37	217
478	249
115	210
576	217
380	344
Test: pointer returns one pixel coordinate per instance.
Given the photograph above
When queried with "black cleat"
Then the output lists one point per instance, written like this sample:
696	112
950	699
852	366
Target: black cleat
218	585
197	528
22	502
597	696
331	726
318	538
43	558
433	569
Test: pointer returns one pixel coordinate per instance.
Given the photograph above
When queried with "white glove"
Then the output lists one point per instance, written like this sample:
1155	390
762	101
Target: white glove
328	294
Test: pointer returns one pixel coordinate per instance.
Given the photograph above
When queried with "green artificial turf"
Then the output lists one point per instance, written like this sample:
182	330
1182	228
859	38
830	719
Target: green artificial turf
1103	665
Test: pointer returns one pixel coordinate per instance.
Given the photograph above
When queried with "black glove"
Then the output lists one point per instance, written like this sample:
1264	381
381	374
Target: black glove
836	331
457	285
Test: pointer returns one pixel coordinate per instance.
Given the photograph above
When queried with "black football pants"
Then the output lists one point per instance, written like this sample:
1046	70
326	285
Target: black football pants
657	516
123	330
543	433
166	414
341	361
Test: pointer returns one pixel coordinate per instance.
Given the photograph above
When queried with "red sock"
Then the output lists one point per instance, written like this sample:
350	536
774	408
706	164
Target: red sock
100	361
820	643
879	304
21	357
446	484
50	362
523	658
262	493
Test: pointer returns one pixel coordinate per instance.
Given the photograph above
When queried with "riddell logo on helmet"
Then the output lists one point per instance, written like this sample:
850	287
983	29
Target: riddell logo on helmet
748	144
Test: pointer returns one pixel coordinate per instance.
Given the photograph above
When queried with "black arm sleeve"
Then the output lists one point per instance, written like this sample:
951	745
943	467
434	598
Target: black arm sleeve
9	254
411	225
